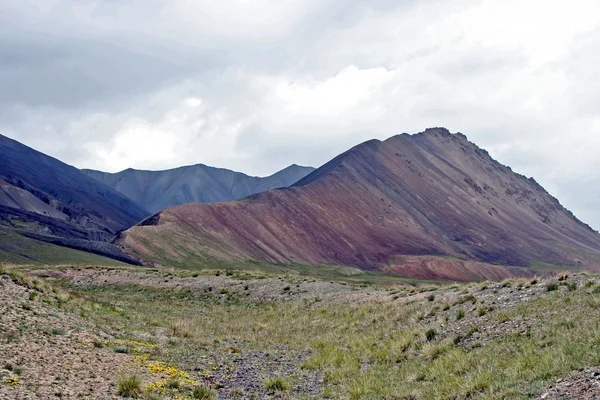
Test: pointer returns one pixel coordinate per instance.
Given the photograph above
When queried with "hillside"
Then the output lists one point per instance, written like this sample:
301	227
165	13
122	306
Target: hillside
240	335
52	212
32	181
432	205
157	190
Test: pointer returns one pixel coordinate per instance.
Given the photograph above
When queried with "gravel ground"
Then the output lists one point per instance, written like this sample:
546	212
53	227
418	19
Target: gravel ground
241	374
47	353
584	385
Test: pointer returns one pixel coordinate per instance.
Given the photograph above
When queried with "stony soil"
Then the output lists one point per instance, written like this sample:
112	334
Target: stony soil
267	289
50	352
583	385
241	374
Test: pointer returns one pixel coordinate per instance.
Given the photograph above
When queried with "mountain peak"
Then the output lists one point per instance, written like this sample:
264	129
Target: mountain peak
432	193
157	190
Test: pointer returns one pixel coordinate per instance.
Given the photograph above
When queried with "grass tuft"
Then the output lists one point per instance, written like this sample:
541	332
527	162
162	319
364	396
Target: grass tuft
277	384
203	393
552	287
129	386
182	329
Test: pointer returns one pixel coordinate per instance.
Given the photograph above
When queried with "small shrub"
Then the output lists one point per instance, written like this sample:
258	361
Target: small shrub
589	284
503	317
121	349
466	299
32	295
472	331
460	314
277	384
287	288
129	386
572	286
58	331
430	335
533	281
173	383
446	307
552	287
431	297
507	283
563	277
98	345
481	311
203	393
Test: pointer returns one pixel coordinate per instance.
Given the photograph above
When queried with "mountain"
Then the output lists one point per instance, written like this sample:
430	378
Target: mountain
157	190
44	201
429	205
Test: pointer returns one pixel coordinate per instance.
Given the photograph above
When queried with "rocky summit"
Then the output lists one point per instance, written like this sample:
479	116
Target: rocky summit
427	205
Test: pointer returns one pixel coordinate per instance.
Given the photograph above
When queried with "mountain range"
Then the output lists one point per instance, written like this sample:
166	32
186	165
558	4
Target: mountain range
32	181
157	190
428	205
45	200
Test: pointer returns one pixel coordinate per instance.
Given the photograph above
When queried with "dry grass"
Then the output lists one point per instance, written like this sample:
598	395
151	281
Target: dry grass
373	350
129	386
183	329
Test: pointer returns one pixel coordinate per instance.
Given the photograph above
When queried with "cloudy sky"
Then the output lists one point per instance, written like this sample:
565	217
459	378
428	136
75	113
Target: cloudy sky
255	85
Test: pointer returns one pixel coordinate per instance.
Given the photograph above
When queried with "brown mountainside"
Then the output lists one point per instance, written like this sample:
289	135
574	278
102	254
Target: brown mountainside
388	205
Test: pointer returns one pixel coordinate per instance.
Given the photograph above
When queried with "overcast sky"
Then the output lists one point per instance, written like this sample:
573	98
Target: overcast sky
256	85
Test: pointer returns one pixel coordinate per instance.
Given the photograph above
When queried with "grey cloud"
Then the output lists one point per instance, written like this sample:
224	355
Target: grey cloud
74	73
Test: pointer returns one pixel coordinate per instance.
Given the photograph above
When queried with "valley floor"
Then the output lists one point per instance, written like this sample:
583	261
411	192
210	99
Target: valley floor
102	332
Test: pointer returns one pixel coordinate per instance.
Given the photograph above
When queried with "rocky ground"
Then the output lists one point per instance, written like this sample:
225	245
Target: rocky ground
49	349
583	385
263	289
49	353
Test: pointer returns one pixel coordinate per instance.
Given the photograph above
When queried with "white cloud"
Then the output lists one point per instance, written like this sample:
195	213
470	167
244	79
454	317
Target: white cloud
334	96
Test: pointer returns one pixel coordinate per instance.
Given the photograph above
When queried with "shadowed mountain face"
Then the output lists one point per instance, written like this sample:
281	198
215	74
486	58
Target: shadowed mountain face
157	190
34	182
431	205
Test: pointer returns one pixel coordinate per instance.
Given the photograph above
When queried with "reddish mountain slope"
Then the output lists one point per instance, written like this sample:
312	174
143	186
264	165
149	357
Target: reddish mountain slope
432	193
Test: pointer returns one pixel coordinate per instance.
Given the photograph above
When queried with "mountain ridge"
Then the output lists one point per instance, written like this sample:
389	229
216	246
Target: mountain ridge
27	174
157	190
427	194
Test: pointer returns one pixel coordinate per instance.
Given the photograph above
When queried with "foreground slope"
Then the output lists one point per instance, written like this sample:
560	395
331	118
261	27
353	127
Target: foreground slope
34	182
378	206
157	190
250	335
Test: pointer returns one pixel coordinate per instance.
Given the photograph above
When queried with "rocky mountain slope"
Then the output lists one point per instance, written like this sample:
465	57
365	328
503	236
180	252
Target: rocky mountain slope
34	182
45	202
379	206
157	190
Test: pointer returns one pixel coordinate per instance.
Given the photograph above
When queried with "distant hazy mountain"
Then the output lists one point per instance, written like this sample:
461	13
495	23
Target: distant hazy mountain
429	205
157	190
34	182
